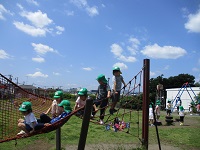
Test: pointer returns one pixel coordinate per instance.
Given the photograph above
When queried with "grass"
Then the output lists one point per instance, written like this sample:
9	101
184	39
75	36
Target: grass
184	137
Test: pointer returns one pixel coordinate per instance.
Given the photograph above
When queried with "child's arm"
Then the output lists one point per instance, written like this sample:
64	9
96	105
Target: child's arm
48	110
109	94
75	106
123	82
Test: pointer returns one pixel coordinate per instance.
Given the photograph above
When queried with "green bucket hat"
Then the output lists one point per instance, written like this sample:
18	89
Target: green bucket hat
66	105
116	68
169	101
58	94
83	91
102	78
181	108
158	102
25	106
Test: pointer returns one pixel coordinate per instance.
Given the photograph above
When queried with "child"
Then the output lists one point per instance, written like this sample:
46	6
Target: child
64	106
55	111
157	110
81	101
181	114
169	105
151	115
29	122
116	88
103	93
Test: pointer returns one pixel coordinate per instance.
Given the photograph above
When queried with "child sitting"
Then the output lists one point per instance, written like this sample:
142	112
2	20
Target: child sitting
81	101
29	122
66	110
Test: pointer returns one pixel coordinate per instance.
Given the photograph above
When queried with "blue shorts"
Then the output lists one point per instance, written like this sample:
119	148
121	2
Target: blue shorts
28	127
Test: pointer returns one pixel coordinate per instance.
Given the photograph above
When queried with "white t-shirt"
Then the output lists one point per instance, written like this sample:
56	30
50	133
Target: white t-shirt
150	113
181	113
80	102
29	119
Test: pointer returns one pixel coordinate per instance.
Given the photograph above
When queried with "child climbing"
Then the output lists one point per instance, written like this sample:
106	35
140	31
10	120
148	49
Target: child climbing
103	94
117	80
29	122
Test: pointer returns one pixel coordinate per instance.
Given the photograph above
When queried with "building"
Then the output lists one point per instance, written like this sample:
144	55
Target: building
186	94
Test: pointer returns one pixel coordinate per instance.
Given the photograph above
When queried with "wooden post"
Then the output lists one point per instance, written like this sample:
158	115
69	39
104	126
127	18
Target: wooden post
145	105
85	124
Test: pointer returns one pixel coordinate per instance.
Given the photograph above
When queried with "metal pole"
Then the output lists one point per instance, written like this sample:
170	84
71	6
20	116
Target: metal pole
145	106
58	139
85	124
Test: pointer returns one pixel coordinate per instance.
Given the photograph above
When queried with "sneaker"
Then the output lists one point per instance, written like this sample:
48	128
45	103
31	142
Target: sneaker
101	122
21	132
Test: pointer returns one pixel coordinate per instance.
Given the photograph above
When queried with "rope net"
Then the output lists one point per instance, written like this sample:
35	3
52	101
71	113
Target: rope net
11	97
130	102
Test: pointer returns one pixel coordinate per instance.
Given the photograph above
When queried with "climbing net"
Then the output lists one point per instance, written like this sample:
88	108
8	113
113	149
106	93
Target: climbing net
11	97
130	103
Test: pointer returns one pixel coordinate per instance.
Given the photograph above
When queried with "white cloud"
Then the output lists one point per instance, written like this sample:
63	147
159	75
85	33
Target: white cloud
38	59
82	4
196	69
166	67
87	68
56	73
70	13
33	2
42	49
31	30
38	19
152	74
133	48
165	52
3	11
122	66
117	51
92	11
4	55
108	27
193	23
38	74
60	29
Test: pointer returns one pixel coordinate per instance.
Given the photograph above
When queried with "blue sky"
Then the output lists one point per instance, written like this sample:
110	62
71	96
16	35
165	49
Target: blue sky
68	43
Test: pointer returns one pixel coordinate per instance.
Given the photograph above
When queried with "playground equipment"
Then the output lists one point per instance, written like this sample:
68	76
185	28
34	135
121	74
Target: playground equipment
13	95
177	98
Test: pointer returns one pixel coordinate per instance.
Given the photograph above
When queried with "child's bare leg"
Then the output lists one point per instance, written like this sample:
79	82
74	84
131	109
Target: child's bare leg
22	126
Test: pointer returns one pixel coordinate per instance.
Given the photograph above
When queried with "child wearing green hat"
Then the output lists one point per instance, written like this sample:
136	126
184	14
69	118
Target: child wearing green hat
81	101
46	120
29	122
169	106
157	110
181	114
55	111
117	80
103	94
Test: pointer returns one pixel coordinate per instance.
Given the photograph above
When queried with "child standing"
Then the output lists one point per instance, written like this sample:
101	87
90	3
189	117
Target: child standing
181	114
151	115
103	94
157	110
117	80
29	122
169	106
